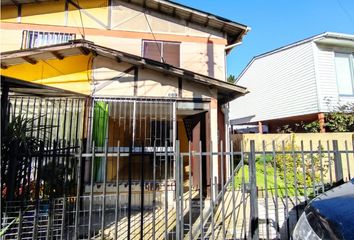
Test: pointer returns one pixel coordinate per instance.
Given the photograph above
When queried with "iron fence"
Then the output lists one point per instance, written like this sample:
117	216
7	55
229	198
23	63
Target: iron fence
255	194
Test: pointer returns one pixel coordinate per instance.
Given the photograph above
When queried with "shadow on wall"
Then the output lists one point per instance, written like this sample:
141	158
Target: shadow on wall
210	55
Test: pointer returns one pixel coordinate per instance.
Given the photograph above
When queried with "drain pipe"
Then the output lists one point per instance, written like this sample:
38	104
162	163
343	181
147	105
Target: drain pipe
232	45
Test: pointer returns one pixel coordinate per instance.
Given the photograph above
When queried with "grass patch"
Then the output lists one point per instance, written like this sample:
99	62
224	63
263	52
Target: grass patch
283	189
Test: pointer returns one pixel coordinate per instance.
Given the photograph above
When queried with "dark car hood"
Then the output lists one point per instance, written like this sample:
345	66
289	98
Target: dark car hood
334	211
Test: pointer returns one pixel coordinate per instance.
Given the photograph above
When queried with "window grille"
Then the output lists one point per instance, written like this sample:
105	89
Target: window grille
34	39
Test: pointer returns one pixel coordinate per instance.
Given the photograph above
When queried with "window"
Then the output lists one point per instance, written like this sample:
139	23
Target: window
34	39
345	73
168	52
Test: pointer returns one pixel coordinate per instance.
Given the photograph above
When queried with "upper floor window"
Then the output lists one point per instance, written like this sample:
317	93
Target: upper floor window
34	39
344	63
168	52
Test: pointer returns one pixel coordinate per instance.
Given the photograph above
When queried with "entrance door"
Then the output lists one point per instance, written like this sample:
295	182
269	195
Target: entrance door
133	123
196	132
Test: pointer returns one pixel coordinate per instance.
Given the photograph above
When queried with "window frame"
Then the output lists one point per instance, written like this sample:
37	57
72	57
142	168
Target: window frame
162	47
28	38
351	68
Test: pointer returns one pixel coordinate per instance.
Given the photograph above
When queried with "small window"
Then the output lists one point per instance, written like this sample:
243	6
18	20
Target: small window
34	39
168	52
345	73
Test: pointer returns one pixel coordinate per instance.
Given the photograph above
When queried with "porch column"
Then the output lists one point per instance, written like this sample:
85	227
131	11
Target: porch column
225	109
321	120
214	139
260	127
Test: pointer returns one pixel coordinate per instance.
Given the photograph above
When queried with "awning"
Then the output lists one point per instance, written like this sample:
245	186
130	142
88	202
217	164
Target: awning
226	91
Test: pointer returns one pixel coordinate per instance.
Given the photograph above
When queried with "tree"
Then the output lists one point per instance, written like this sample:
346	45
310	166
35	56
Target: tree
231	79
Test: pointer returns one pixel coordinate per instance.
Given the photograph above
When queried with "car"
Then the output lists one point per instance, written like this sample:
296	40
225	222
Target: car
328	216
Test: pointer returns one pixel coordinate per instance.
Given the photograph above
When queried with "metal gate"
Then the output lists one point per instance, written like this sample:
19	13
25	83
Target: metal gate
263	194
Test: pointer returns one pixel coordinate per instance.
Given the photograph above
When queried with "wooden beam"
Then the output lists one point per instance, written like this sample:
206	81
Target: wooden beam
321	120
57	55
14	2
206	23
3	66
174	12
180	87
30	60
109	15
260	127
84	51
19	13
136	79
190	17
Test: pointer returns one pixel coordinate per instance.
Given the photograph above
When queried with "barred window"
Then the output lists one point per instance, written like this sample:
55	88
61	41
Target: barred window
34	39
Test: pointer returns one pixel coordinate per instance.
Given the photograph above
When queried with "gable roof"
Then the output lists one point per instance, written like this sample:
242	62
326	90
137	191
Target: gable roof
226	91
234	30
324	38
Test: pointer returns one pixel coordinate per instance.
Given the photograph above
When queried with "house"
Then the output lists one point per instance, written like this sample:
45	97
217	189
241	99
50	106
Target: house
295	83
127	74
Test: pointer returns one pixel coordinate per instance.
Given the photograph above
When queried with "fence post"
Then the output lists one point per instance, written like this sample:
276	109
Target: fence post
37	190
178	193
254	231
78	188
338	169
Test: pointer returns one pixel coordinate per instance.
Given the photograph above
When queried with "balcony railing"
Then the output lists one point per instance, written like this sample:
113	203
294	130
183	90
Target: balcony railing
34	39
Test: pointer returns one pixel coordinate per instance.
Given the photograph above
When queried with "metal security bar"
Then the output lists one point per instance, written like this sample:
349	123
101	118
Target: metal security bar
261	195
39	138
49	119
34	39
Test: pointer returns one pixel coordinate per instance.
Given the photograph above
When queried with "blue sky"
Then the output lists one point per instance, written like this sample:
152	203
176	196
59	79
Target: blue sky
276	23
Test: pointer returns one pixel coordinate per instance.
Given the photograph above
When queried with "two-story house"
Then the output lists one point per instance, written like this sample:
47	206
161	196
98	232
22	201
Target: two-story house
142	73
296	83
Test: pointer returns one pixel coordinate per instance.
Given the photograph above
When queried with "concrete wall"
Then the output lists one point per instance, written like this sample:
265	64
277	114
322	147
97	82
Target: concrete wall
122	26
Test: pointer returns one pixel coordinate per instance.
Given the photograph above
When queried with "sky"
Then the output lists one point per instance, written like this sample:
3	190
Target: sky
276	23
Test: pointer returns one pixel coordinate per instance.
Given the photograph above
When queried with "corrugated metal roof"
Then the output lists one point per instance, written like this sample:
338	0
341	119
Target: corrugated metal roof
226	91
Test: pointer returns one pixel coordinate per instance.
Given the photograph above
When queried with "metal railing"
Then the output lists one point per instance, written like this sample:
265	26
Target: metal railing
257	194
34	39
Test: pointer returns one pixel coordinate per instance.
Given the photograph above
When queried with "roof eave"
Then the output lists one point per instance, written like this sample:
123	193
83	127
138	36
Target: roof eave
223	88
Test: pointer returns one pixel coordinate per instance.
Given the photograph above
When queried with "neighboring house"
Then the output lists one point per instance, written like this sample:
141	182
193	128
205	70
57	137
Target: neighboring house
147	72
298	82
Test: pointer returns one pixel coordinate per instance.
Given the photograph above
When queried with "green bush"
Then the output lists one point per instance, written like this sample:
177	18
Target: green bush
294	172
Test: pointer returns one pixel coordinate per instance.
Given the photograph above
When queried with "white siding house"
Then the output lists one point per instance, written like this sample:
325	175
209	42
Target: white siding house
297	82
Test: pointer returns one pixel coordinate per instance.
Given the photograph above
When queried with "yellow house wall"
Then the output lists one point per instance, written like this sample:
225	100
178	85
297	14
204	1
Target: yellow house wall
97	8
71	73
43	13
200	51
